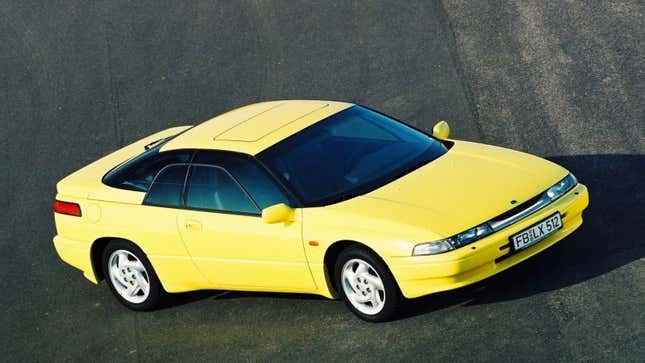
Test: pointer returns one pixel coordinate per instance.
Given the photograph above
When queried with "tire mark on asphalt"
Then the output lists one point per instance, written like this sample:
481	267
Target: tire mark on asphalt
611	92
457	61
547	71
491	66
113	91
24	109
542	51
113	86
137	338
7	174
359	28
258	15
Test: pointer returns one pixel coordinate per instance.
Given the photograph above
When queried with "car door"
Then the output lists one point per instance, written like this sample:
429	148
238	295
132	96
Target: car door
222	229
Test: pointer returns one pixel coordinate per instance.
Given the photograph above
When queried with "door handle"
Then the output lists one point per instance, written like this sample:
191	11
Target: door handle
193	225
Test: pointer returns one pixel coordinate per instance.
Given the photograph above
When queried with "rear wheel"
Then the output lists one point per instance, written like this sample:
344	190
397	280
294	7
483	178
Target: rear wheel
130	276
366	284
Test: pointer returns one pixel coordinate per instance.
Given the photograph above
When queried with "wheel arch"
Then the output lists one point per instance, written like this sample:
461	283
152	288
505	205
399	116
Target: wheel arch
96	252
331	254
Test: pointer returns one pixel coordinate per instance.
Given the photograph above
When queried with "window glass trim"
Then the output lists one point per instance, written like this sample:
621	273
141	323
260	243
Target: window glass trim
294	201
181	202
246	193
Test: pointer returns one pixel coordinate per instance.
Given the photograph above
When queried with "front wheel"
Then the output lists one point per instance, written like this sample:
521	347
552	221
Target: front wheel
366	284
130	276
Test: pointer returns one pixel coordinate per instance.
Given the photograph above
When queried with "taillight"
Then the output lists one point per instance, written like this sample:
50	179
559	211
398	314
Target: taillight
72	209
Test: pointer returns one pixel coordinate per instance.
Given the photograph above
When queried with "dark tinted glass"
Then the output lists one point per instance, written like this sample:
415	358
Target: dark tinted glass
167	187
138	173
253	177
350	153
211	188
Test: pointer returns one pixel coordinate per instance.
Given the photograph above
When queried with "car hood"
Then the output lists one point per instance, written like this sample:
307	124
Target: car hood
470	184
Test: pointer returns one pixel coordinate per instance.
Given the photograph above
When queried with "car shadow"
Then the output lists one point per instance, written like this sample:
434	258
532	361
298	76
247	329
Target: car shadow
610	237
189	297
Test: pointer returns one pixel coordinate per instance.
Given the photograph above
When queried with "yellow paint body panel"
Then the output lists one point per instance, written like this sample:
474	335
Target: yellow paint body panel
244	252
192	250
422	275
251	129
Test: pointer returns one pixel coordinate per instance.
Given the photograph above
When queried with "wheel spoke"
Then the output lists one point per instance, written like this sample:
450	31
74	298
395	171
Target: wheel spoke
361	269
116	273
144	288
362	298
350	276
122	259
132	289
141	281
374	298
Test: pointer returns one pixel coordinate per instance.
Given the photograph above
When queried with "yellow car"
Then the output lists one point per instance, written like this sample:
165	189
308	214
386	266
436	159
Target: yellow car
319	197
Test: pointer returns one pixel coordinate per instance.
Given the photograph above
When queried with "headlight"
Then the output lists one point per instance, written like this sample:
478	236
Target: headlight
448	244
432	248
562	187
471	235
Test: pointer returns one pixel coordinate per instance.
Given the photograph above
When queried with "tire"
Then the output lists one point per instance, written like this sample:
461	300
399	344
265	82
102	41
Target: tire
366	284
130	276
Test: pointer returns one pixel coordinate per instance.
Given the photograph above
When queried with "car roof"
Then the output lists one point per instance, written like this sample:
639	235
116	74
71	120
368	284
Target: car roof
253	128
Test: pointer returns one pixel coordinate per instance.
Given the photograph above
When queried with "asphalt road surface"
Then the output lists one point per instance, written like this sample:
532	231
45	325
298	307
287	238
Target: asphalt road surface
560	79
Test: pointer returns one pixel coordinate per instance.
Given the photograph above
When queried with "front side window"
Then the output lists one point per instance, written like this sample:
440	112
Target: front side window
138	173
167	188
348	154
212	188
254	178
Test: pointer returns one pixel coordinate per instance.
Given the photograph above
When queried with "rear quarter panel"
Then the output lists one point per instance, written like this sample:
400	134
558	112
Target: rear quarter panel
154	230
109	212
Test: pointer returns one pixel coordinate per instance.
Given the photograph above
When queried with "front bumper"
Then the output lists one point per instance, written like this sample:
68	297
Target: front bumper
422	275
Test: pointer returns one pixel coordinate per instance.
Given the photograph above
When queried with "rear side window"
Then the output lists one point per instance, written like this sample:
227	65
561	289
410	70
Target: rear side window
212	188
167	188
248	172
138	173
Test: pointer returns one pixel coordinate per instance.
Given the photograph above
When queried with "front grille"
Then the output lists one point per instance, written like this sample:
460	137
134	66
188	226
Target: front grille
515	210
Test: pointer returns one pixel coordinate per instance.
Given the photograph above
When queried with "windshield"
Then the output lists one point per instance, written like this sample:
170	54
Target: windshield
350	153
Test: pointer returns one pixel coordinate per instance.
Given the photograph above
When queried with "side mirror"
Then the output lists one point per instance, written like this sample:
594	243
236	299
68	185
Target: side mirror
441	130
277	213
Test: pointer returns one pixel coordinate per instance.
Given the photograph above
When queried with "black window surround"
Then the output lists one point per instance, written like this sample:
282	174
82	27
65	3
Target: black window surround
237	183
182	203
294	202
249	175
159	193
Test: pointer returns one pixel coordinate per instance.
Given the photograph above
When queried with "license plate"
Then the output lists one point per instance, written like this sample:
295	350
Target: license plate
536	232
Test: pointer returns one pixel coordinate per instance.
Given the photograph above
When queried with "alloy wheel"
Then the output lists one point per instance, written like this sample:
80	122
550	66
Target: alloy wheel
129	276
363	286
